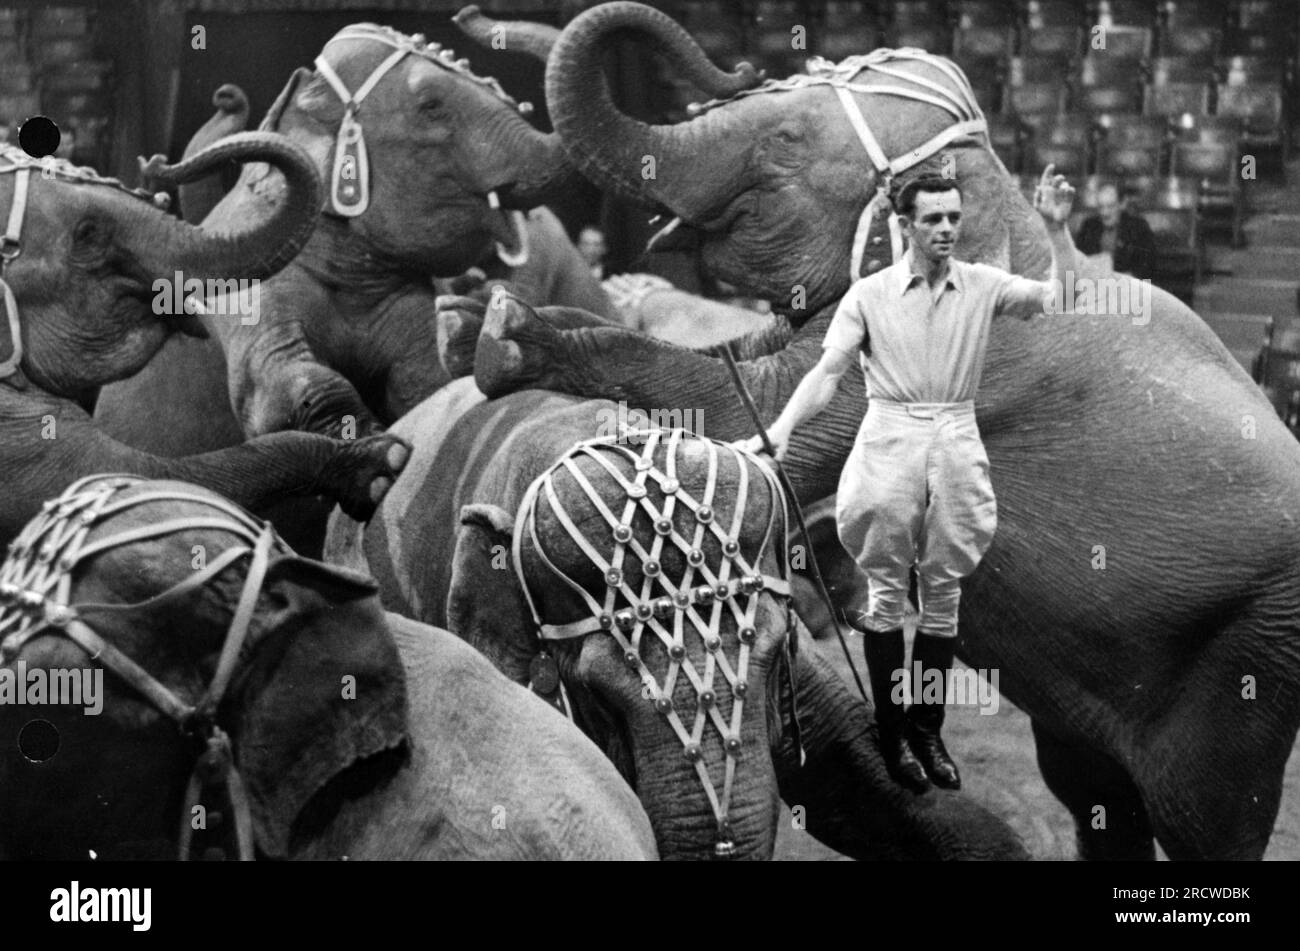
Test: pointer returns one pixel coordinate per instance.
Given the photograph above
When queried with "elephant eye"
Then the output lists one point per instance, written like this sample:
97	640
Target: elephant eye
86	232
787	136
89	233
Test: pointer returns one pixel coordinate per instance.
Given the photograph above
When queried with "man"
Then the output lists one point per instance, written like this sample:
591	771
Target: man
1123	235
591	246
915	489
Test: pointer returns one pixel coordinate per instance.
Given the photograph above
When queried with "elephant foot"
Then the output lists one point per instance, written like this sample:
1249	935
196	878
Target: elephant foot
460	321
362	472
517	349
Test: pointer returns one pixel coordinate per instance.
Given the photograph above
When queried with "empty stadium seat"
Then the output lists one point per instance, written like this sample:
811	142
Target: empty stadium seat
1127	162
1181	69
1178	249
918	12
1054	13
1260	109
1025	70
1134	130
1214	166
1127	13
1174	99
719	29
1120	42
1273	44
1279	15
1037	104
995	42
1196	42
1245	70
1189	14
1006	135
772	47
1209	129
931	37
1058	41
847	29
1101	100
983	13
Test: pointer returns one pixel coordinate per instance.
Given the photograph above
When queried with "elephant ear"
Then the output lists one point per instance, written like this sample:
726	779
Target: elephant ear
273	116
325	688
486	605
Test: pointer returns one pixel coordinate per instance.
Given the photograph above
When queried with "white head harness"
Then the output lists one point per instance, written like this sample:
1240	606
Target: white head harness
969	120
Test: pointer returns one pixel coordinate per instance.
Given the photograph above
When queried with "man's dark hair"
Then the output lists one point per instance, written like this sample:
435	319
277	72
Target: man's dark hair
905	202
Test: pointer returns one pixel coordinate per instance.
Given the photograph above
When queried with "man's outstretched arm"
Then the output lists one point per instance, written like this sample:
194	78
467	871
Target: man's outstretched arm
813	394
1025	298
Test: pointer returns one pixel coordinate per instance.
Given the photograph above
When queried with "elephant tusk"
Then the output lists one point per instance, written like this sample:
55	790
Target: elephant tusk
662	233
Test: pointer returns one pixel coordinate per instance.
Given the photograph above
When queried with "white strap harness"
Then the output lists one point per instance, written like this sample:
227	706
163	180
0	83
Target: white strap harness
970	121
18	163
350	179
10	249
36	586
661	608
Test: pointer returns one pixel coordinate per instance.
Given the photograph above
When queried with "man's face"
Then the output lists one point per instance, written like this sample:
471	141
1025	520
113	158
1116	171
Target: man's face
935	225
591	245
1108	206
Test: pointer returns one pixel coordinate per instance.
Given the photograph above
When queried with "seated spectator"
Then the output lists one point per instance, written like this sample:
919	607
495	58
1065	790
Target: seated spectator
1123	235
591	245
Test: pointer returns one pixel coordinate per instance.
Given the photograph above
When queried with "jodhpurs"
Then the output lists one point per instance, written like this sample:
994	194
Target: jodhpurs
916	491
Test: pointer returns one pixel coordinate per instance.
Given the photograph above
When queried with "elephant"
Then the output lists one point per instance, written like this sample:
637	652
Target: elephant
83	309
354	733
463	579
1143	587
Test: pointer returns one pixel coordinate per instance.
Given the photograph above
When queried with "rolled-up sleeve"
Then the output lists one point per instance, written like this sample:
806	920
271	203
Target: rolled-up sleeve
848	329
1020	297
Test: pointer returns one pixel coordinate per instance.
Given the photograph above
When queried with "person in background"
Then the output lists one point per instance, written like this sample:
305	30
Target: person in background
591	245
1120	233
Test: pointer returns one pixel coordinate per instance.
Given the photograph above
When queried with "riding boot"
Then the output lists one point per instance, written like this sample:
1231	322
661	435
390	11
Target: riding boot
925	718
884	654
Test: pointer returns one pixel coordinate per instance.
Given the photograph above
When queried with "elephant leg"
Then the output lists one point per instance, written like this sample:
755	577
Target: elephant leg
849	801
1212	770
297	391
1110	820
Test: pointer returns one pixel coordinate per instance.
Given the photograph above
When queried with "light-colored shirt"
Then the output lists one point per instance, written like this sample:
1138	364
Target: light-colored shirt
919	345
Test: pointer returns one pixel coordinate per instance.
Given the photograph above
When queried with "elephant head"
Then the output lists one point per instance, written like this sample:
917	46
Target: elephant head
90	251
185	609
439	154
774	179
653	579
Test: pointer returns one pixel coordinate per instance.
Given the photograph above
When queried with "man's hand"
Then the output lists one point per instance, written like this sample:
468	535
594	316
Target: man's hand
779	439
1053	198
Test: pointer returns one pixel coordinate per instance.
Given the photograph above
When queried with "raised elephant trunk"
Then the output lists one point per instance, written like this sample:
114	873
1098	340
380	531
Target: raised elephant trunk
517	36
548	172
201	196
610	147
261	250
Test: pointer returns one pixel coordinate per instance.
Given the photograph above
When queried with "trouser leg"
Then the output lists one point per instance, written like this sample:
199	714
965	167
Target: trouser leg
960	521
879	516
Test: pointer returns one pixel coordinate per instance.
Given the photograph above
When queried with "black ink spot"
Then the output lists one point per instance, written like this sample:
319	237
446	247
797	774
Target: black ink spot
39	136
38	740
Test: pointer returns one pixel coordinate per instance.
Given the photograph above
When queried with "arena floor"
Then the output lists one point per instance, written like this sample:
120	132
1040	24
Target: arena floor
996	757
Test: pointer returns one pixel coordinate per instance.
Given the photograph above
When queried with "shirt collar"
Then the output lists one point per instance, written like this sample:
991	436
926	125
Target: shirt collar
910	271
